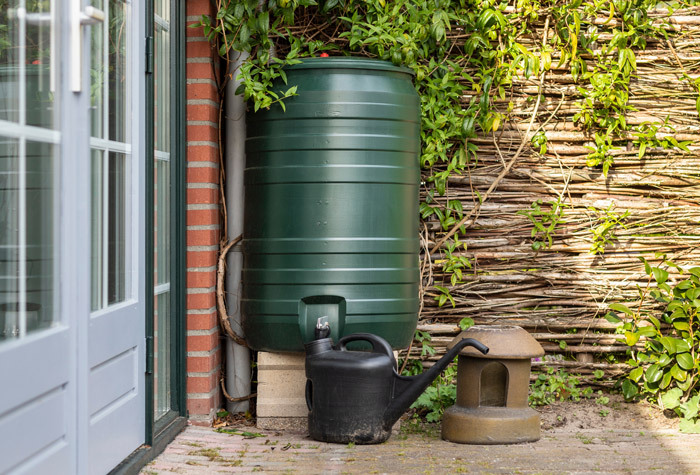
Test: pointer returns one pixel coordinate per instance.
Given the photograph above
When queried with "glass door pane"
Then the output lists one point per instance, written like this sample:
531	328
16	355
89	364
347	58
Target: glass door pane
111	157
28	156
163	316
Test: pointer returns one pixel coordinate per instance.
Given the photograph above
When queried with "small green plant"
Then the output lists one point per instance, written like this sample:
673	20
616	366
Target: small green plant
601	153
414	366
437	397
442	392
544	221
604	227
449	215
444	296
664	322
424	339
539	142
244	434
687	410
454	265
648	135
552	385
602	399
211	453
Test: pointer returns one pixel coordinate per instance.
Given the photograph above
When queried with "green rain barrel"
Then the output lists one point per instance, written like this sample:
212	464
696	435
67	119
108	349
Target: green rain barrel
331	207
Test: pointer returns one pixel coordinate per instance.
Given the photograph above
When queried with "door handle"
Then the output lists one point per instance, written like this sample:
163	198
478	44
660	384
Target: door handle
79	18
91	16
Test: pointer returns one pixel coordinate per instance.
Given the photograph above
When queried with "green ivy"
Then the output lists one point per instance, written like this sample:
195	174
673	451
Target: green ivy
465	54
666	368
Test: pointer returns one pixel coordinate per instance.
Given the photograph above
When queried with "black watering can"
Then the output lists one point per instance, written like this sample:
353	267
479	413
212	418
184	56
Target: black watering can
357	396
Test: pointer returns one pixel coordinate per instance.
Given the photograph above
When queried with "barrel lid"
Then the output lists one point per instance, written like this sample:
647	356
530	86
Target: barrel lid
504	342
349	62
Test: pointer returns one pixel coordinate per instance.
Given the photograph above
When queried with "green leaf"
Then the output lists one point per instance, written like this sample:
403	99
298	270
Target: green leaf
611	317
653	374
665	287
654	321
263	22
468	130
665	381
636	374
660	275
682	346
691	407
629	389
647	331
684	285
685	385
631	338
688	426
618	307
677	373
665	359
669	344
685	361
671	399
642	149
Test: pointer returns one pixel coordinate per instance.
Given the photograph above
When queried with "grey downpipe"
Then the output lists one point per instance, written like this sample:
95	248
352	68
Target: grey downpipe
238	369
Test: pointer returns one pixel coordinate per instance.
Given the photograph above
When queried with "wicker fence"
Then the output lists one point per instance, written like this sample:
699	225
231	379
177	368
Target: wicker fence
559	294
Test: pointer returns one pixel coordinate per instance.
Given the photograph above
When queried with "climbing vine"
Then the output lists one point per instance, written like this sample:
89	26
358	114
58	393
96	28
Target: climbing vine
469	58
465	55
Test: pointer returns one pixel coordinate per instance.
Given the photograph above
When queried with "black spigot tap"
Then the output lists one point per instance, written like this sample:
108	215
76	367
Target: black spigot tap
323	328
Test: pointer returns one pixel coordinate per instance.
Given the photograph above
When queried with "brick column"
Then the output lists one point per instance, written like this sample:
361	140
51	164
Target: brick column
204	349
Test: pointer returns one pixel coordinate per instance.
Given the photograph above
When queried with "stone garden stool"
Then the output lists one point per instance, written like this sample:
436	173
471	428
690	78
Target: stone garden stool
492	389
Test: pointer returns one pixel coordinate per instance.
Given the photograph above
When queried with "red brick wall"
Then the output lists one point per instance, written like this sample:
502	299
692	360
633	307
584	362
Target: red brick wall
204	349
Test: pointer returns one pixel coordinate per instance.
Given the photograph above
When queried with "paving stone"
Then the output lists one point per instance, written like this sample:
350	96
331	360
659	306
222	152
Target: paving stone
201	450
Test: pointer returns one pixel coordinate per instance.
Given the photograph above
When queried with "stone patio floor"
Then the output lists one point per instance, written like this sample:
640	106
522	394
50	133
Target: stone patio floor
202	450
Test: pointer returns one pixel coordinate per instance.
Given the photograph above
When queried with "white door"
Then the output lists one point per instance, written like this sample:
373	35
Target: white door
115	358
71	216
40	269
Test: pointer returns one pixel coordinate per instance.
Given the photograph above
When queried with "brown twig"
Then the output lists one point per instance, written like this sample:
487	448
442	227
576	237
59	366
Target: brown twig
220	293
234	399
506	169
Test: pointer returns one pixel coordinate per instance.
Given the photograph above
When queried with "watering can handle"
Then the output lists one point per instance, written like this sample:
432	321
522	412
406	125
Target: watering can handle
379	345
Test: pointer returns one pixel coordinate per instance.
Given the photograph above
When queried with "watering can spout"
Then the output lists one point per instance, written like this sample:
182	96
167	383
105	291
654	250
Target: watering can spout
408	388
